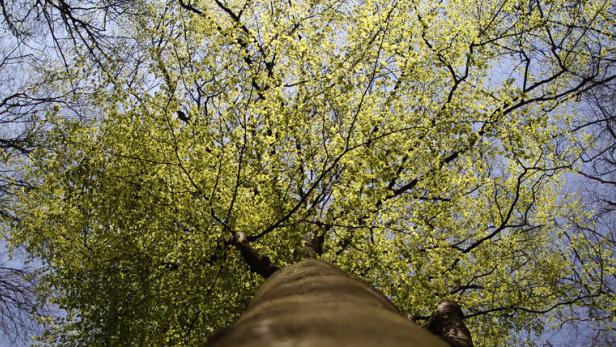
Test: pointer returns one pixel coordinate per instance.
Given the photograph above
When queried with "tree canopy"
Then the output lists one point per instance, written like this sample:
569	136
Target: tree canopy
425	146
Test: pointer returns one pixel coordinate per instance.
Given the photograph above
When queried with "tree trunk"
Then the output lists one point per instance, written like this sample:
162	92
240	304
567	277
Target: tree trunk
313	303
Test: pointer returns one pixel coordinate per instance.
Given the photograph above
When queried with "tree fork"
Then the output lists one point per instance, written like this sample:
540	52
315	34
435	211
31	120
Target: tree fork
314	303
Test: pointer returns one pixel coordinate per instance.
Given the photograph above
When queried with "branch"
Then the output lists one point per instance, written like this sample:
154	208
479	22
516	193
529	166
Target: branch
257	263
190	7
446	322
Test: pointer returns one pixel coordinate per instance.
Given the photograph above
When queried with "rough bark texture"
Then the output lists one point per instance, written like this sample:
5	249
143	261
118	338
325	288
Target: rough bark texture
314	304
447	322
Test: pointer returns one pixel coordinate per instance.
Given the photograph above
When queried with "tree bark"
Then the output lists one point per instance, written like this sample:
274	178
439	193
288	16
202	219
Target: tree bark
313	303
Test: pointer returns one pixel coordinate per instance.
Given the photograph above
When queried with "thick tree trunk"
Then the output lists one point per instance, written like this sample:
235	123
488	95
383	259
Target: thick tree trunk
314	304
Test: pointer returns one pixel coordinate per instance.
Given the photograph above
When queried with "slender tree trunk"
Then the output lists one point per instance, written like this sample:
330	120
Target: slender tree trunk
314	304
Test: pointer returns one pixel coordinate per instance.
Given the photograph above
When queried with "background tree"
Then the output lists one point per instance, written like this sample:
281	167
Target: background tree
421	144
595	182
38	38
18	103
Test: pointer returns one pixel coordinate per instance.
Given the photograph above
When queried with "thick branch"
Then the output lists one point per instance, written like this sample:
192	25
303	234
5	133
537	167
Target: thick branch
259	264
447	323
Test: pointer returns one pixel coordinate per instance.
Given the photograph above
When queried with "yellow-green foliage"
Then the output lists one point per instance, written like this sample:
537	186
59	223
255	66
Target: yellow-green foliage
406	132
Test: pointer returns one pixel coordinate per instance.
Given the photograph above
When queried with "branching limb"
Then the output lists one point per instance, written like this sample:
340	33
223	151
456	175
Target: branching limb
257	263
